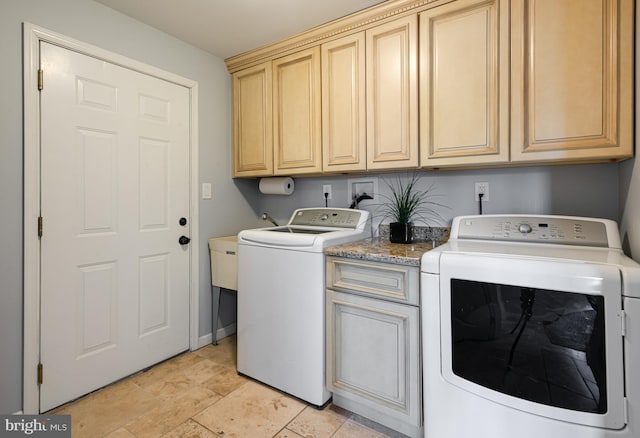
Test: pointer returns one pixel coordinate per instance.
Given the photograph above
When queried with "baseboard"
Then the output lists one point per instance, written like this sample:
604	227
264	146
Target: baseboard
222	332
17	413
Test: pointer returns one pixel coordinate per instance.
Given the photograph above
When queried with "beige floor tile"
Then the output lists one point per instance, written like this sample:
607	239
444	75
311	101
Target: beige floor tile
201	371
166	371
172	386
200	395
224	353
253	410
176	376
170	415
351	429
316	423
286	433
108	409
224	380
190	429
121	433
185	359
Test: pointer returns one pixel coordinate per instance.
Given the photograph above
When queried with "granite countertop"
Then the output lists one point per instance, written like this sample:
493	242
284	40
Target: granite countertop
379	249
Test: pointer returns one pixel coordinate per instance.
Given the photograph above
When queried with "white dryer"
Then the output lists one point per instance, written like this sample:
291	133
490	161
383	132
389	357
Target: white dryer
531	328
281	310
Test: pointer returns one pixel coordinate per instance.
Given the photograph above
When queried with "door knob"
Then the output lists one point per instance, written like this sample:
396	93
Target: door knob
183	240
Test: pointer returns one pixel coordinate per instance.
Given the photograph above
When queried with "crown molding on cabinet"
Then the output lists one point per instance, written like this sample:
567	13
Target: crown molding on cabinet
356	22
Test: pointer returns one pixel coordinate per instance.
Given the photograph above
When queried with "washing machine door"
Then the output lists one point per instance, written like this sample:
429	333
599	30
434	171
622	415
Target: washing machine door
541	336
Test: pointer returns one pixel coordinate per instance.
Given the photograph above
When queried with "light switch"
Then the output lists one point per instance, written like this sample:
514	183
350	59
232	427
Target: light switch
206	190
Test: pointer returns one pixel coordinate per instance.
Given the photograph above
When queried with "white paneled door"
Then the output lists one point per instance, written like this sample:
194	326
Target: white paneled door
114	187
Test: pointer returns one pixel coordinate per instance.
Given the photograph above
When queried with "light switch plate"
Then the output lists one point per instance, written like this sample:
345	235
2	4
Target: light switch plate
206	190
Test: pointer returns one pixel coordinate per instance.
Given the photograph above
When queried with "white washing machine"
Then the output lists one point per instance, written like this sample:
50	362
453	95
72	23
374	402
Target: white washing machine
531	328
281	286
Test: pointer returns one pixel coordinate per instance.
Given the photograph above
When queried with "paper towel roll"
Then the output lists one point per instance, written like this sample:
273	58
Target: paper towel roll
276	186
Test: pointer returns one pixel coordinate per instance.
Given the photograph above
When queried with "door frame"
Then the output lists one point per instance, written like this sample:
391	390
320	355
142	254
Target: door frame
32	36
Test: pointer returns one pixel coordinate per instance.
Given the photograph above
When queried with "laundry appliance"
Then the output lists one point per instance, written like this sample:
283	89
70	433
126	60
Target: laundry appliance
531	328
281	310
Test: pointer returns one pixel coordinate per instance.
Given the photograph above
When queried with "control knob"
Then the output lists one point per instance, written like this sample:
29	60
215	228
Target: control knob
524	228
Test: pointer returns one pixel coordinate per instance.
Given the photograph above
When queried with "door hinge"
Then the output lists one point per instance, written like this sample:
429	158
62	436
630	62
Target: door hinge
623	322
40	79
40	373
39	227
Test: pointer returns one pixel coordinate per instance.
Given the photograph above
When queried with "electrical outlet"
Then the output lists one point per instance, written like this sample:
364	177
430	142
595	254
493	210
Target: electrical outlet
326	188
482	187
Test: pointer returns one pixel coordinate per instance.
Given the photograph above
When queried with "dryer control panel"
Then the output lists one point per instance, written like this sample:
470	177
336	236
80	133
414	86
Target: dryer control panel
563	230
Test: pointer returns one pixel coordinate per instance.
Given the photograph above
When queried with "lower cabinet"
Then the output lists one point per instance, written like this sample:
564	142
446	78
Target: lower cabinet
373	345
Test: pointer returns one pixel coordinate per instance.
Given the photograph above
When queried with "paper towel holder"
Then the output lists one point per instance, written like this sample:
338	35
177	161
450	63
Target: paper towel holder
276	185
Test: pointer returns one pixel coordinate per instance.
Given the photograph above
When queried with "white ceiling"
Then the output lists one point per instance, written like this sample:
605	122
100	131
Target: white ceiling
230	27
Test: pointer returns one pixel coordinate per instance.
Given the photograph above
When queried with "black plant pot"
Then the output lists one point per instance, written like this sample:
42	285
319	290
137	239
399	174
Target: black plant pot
401	233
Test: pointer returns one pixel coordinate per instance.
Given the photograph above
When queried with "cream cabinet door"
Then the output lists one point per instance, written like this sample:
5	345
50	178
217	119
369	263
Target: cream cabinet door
297	113
464	83
252	122
373	359
392	94
572	84
344	140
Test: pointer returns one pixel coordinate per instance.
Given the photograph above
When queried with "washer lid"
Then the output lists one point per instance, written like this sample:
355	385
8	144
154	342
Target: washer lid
310	239
312	230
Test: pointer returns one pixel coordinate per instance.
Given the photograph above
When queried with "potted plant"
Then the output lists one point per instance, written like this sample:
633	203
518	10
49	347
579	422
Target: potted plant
405	204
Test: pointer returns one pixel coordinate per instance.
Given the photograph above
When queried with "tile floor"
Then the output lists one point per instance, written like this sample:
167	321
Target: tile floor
199	394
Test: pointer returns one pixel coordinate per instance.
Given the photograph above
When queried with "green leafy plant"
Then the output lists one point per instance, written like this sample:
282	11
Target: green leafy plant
407	202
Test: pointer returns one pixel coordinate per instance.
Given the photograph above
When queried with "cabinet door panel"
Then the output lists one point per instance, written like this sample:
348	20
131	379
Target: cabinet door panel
392	85
363	331
379	280
296	112
252	123
464	65
343	104
571	79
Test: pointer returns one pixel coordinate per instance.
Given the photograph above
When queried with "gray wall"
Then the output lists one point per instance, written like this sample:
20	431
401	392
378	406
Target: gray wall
630	182
228	211
581	190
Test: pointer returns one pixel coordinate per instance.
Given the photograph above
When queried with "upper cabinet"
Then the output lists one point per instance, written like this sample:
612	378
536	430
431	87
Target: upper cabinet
296	113
252	124
464	84
392	94
440	84
369	98
344	131
571	80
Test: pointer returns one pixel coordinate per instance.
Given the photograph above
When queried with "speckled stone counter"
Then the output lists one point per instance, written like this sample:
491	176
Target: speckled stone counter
421	233
380	249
